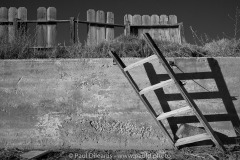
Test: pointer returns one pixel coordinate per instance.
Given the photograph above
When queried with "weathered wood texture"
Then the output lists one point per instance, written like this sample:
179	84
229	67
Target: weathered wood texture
154	21
101	31
3	17
22	16
173	32
72	30
164	32
100	26
51	28
12	15
127	22
92	30
137	20
41	28
163	27
110	30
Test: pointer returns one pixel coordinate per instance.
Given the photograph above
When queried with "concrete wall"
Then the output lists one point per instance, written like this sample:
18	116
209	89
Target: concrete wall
88	103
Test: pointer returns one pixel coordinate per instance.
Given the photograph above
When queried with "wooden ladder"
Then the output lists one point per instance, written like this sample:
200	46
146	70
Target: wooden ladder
209	135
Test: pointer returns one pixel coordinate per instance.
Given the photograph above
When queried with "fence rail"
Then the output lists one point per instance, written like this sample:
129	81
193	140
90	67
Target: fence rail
61	21
100	26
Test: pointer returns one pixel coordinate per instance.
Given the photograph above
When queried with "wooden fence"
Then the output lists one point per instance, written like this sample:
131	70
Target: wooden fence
161	27
100	26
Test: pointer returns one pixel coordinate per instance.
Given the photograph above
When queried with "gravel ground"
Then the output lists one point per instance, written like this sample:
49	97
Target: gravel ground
197	153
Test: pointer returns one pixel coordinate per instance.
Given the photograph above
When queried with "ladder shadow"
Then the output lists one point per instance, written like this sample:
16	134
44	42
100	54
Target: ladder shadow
222	93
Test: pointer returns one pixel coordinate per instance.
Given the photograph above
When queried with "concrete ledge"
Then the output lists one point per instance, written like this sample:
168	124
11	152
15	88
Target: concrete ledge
88	103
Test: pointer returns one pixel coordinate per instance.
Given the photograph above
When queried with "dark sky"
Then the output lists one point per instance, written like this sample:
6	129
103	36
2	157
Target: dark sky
208	17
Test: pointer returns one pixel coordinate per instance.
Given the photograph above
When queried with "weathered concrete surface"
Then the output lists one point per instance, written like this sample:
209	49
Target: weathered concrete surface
88	103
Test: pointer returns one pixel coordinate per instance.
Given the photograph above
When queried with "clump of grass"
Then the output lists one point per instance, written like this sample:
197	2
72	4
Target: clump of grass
132	46
223	48
125	46
18	48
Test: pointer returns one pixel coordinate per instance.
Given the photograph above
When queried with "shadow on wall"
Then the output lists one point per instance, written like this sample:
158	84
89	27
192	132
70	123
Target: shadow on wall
222	94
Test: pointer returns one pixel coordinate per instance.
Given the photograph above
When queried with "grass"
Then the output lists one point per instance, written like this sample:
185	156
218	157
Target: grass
125	46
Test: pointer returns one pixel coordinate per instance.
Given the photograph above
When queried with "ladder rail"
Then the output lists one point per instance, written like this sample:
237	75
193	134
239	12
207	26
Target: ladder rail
142	97
183	91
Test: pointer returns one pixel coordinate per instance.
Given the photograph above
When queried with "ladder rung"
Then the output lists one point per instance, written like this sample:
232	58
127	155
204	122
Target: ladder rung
140	62
156	86
174	112
192	139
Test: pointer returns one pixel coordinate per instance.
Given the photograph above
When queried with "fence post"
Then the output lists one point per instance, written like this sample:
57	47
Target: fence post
173	32
72	30
51	28
146	20
137	20
164	32
110	30
22	16
181	34
12	15
127	23
3	27
41	27
155	21
92	33
100	30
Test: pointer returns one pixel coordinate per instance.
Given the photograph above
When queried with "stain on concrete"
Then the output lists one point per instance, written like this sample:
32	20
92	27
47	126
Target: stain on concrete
19	116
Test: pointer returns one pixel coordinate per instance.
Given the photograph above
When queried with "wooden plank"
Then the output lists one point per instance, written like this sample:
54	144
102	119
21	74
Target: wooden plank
155	21
41	28
127	23
22	16
110	30
137	20
12	14
34	154
186	130
181	34
173	32
92	30
165	31
184	93
3	27
51	28
100	30
174	112
145	60
72	30
192	139
146	20
156	86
